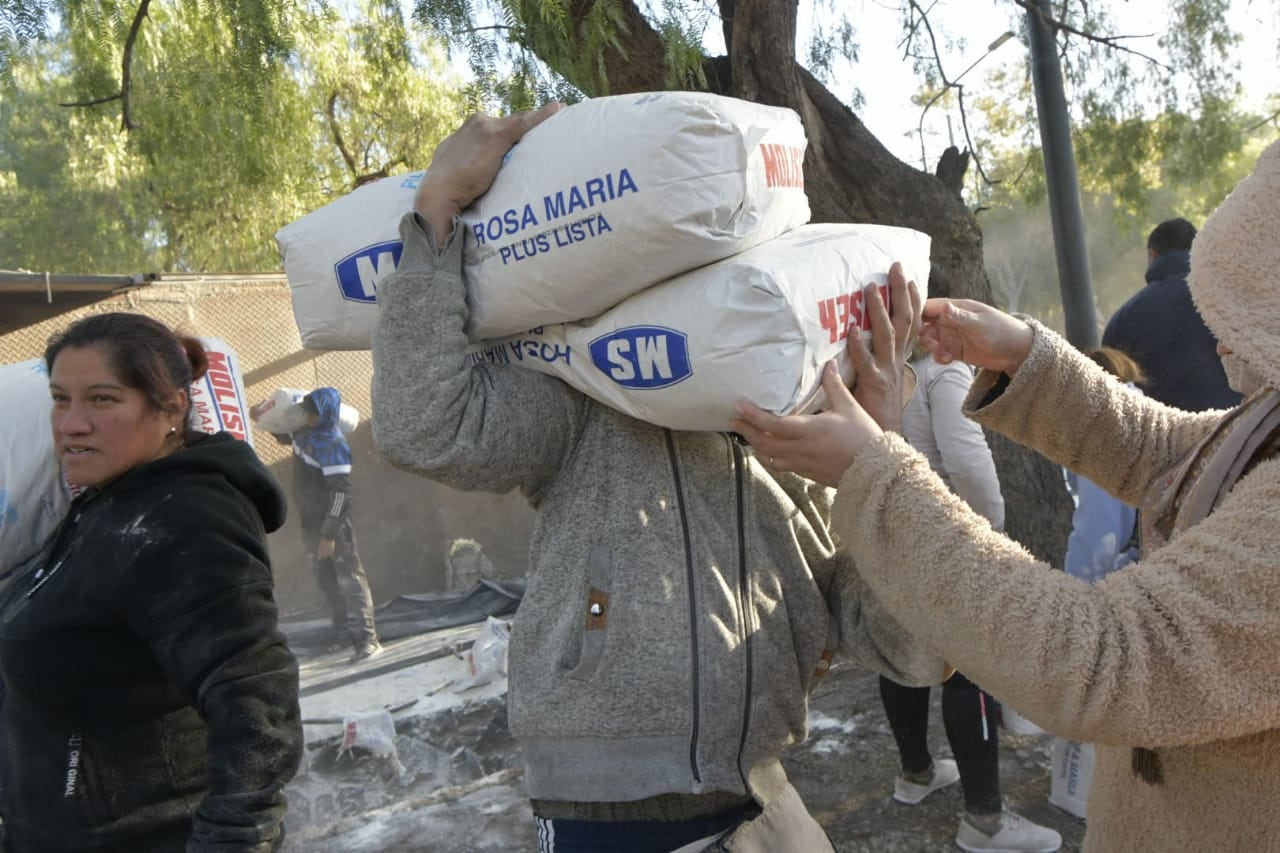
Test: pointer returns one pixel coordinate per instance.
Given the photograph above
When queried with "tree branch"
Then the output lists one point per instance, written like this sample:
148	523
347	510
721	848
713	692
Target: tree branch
914	27
638	64
1263	123
126	73
384	171
727	14
946	85
1112	42
126	65
764	52
347	156
92	103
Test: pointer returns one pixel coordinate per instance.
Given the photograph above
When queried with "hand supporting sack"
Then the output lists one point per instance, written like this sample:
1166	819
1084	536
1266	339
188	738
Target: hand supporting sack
602	200
34	495
758	326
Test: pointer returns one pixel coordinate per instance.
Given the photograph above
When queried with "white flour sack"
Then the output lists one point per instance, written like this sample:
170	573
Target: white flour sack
280	413
34	495
757	326
602	200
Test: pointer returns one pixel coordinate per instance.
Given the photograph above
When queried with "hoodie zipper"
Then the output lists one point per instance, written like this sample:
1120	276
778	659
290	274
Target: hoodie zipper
693	604
744	600
60	541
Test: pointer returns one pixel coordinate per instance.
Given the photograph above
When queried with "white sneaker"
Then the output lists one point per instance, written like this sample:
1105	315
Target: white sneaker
945	773
1016	835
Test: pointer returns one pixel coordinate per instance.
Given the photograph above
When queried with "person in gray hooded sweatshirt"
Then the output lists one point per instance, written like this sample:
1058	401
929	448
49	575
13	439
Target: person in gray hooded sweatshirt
682	597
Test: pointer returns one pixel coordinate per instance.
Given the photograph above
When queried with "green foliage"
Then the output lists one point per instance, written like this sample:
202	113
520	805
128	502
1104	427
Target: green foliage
1138	125
525	52
22	24
1018	238
273	106
60	173
216	164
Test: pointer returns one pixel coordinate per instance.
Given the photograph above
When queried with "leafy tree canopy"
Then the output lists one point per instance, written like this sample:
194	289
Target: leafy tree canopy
230	131
253	69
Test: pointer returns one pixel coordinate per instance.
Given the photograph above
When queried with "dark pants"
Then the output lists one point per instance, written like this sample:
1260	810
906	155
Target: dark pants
633	836
969	716
343	582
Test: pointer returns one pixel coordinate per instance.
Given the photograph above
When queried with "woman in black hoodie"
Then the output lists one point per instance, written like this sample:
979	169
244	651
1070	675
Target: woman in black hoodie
147	700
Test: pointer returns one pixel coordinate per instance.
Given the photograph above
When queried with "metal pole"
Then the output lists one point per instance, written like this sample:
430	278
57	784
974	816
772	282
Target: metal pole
1061	180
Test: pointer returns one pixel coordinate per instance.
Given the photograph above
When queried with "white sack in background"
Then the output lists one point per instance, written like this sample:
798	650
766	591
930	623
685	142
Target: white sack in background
602	200
34	496
758	326
218	401
1071	776
280	413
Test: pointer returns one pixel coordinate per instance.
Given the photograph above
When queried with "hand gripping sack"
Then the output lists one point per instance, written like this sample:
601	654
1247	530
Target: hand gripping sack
758	326
602	200
34	495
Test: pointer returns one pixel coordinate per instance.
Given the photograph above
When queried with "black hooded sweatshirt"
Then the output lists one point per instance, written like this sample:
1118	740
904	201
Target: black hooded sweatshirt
149	703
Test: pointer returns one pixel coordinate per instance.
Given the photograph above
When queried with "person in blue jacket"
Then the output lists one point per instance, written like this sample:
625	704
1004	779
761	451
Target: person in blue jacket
322	491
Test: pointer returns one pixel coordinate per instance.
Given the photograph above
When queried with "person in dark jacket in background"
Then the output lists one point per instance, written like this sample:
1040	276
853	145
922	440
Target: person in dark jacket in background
1160	329
149	702
322	491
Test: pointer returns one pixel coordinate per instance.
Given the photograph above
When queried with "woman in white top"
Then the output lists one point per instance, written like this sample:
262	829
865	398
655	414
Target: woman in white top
957	450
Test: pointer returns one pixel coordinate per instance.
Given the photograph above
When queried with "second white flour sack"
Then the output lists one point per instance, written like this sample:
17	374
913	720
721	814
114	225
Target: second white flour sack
758	326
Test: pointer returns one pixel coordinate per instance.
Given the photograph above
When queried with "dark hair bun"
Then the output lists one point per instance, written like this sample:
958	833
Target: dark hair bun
196	356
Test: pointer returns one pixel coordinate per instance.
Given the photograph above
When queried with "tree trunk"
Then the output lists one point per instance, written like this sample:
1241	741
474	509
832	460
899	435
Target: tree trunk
851	177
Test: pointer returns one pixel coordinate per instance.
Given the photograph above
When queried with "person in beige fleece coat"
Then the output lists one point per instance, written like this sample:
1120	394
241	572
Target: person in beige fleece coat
1171	665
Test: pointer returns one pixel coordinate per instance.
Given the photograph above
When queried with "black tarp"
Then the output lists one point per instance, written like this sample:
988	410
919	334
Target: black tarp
420	613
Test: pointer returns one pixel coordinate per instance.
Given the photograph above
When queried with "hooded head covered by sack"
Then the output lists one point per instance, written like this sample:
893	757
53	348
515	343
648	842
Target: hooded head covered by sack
322	444
1235	263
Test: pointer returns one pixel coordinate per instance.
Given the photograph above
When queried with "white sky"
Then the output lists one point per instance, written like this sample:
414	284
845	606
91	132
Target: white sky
888	83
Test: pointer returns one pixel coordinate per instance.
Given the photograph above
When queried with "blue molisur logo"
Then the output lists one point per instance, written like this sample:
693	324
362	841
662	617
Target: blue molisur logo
358	274
643	356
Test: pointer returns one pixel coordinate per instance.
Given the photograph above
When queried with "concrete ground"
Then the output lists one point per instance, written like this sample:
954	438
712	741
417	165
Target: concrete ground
454	783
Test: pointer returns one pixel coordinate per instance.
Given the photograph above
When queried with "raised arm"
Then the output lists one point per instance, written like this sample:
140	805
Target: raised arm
471	425
1099	662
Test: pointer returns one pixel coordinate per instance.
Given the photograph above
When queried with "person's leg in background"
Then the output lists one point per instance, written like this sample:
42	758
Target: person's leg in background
971	719
353	584
907	709
327	579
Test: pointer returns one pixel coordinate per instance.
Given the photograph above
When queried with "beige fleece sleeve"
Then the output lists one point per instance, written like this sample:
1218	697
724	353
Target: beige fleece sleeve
1063	405
1178	649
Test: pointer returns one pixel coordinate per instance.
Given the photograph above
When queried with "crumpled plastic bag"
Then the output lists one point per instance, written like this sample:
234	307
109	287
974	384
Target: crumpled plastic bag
375	732
487	657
